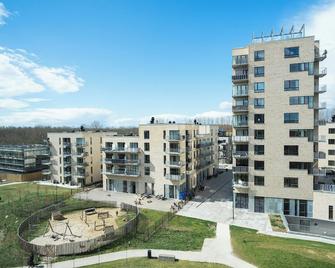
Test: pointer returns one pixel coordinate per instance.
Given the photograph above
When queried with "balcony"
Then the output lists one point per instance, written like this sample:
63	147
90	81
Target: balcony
80	154
241	169
66	144
66	153
241	154
240	78
67	173
81	174
239	184
320	73
174	151
240	139
174	177
240	108
206	153
173	138
67	163
319	123
121	161
175	163
204	144
319	155
318	56
82	164
240	124
122	172
46	172
240	61
109	149
324	187
320	89
81	145
321	106
239	91
319	172
46	162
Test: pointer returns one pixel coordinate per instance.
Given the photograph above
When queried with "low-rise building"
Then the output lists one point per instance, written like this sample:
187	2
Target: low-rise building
23	162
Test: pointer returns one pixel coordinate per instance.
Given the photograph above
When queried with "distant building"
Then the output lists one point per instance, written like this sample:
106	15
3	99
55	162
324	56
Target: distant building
327	145
225	146
23	162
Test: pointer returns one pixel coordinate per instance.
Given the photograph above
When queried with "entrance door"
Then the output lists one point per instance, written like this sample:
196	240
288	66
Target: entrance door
259	204
171	191
241	200
133	187
125	190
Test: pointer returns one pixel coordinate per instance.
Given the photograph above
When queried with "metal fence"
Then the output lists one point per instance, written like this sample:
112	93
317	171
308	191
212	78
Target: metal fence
311	226
73	247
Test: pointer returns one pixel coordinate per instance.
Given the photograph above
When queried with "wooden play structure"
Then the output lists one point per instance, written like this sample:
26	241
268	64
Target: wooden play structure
56	235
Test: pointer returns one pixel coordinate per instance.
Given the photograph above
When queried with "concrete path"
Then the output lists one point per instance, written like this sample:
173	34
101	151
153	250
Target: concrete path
214	250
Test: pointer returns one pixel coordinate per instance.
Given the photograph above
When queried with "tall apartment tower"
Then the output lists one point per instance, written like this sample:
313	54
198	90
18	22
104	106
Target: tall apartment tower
275	123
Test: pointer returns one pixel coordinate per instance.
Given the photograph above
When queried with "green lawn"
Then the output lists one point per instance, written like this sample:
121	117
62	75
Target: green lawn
146	263
181	233
18	201
274	252
277	223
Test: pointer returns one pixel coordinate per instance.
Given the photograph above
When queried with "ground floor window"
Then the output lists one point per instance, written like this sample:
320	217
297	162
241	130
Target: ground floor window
241	200
259	204
331	212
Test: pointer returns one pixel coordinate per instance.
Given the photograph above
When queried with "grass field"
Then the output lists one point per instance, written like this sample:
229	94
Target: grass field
18	201
274	252
146	263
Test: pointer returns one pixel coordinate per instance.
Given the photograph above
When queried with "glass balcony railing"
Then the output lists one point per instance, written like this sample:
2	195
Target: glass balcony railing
121	161
240	108
320	73
240	78
240	91
241	169
240	123
320	89
241	154
174	177
242	139
122	172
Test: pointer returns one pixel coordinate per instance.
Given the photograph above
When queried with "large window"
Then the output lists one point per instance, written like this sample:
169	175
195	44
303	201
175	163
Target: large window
300	165
146	146
259	204
146	134
259	165
301	67
259	149
259	71
147	171
301	133
290	85
259	180
259	87
259	55
291	117
259	134
240	59
330	212
259	103
147	159
331	163
301	100
331	141
331	131
291	52
331	152
290	182
259	118
291	150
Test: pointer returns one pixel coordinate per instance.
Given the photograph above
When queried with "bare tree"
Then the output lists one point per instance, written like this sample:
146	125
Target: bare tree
96	125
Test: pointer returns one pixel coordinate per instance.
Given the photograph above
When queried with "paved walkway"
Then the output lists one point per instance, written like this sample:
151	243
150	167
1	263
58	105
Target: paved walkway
214	250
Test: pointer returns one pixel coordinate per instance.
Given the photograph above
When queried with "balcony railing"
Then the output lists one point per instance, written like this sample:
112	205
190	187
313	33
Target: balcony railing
174	151
66	144
320	89
46	172
67	173
46	162
241	169
319	122
240	60
321	106
241	184
241	154
240	123
81	174
174	177
175	163
318	56
319	172
325	187
67	163
120	161
240	78
120	149
240	91
320	73
81	144
240	108
242	139
173	137
116	172
319	155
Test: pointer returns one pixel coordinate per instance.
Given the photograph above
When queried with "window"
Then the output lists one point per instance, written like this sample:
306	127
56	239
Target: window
300	165
291	52
286	206
290	85
302	208
259	134
146	134
259	71
146	146
331	152
290	182
331	163
301	100
330	212
331	141
147	171
259	204
259	165
240	59
259	55
259	118
331	131
147	159
259	87
301	67
259	180
291	117
259	103
259	149
302	133
291	149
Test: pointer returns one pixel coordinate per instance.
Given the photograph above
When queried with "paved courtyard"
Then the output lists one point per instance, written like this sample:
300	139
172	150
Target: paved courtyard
99	194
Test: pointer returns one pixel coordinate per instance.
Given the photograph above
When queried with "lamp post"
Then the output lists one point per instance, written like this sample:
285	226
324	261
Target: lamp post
233	203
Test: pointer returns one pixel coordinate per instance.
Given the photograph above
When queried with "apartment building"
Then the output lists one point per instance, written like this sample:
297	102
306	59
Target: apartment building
327	146
23	162
76	157
275	123
165	159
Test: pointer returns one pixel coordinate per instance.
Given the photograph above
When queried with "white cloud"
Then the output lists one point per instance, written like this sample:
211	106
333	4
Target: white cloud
4	14
21	74
320	21
225	106
12	104
56	117
35	100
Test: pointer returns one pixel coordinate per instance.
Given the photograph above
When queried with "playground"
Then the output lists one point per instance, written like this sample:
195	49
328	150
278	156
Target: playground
80	225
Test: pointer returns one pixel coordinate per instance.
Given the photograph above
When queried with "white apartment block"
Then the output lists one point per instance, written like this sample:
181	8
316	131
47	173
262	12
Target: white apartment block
275	123
327	146
165	159
75	157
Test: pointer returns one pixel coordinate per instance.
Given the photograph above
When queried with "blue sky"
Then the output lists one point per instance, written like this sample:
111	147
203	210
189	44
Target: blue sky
120	62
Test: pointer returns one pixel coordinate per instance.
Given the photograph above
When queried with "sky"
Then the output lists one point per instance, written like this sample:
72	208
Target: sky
68	62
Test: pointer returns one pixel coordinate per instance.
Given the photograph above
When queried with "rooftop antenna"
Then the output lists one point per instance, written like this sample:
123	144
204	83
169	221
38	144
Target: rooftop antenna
302	29
271	34
292	29
282	30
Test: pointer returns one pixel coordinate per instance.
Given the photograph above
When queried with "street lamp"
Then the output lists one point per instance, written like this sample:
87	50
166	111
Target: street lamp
233	203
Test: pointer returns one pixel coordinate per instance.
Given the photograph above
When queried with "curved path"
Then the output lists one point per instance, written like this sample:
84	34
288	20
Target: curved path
214	250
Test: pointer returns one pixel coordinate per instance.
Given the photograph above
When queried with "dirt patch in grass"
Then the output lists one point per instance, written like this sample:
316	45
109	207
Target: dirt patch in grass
277	223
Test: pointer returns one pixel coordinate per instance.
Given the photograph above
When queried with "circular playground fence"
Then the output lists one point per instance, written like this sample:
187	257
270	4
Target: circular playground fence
73	247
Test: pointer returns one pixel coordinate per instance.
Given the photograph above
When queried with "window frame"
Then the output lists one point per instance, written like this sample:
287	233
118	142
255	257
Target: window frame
292	52
259	74
257	57
289	184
